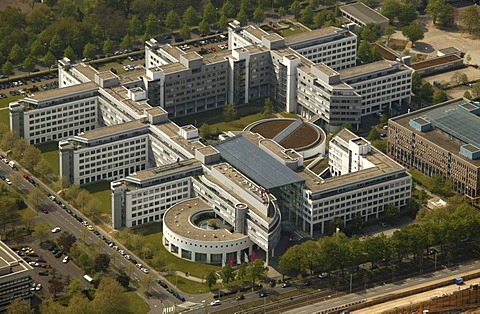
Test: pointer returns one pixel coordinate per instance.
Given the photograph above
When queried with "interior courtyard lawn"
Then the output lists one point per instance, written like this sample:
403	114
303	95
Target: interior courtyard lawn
153	234
189	286
50	153
101	191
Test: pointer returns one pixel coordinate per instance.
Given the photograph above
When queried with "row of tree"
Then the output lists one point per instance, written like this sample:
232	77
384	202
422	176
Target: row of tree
251	272
110	297
437	227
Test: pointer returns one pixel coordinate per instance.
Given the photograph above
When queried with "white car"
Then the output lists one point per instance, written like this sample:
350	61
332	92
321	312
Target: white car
8	181
128	257
215	303
38	287
56	229
65	259
145	270
121	252
51	197
139	265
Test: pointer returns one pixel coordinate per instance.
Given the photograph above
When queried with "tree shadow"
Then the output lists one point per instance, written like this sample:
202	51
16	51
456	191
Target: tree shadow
422	47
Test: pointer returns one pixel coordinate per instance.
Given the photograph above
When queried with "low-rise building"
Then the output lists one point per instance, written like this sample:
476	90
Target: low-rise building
361	14
15	277
441	139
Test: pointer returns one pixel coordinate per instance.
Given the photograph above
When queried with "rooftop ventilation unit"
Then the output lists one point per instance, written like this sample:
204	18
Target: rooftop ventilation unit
420	124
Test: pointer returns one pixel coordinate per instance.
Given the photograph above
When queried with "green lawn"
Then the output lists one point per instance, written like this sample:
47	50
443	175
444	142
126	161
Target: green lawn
422	179
189	286
153	234
216	116
319	167
5	101
5	118
50	153
136	304
289	115
293	30
239	124
101	191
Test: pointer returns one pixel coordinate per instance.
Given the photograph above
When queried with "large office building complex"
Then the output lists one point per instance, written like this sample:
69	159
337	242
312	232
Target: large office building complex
117	127
15	277
442	139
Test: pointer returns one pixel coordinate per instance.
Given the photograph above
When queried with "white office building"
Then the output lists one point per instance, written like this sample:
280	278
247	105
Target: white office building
107	153
363	181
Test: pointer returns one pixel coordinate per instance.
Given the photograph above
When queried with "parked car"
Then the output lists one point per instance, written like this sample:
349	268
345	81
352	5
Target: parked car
286	284
240	297
215	303
55	230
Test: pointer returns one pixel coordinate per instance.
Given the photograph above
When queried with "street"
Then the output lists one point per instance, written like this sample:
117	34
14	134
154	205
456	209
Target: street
58	217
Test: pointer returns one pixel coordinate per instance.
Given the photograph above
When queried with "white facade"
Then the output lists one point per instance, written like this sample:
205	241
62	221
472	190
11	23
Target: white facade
54	116
364	181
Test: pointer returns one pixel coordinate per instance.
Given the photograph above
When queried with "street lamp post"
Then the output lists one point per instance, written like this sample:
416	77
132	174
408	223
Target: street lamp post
351	281
435	261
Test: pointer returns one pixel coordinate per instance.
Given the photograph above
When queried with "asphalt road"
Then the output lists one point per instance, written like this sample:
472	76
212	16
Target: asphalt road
58	217
386	289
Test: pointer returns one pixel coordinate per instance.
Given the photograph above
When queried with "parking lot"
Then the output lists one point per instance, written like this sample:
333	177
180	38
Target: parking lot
24	87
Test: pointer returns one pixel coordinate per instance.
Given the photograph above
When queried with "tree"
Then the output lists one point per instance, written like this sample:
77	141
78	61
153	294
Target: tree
268	107
307	15
108	47
209	13
56	45
123	280
369	32
204	27
34	198
380	145
439	97
295	8
391	213
185	31
8	211
69	53
416	83
242	272
108	296
229	112
135	26
205	131
7	68
44	168
19	306
227	9
446	16
151	24
223	22
256	270
282	12
476	90
66	240
210	280
467	95
56	285
470	19
78	303
172	21
127	42
16	55
190	16
413	32
242	17
374	134
49	59
92	207
426	92
75	286
407	14
390	9
227	274
29	64
101	262
289	262
259	15
89	51
434	7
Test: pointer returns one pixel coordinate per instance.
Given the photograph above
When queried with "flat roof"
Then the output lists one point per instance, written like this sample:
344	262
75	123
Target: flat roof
363	13
171	130
325	69
113	129
208	150
309	35
165	169
256	31
178	219
382	164
64	91
255	163
365	68
86	70
9	259
174	52
453	126
434	61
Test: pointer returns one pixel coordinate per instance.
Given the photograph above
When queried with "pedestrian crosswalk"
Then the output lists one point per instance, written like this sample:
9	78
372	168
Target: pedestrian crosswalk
167	310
